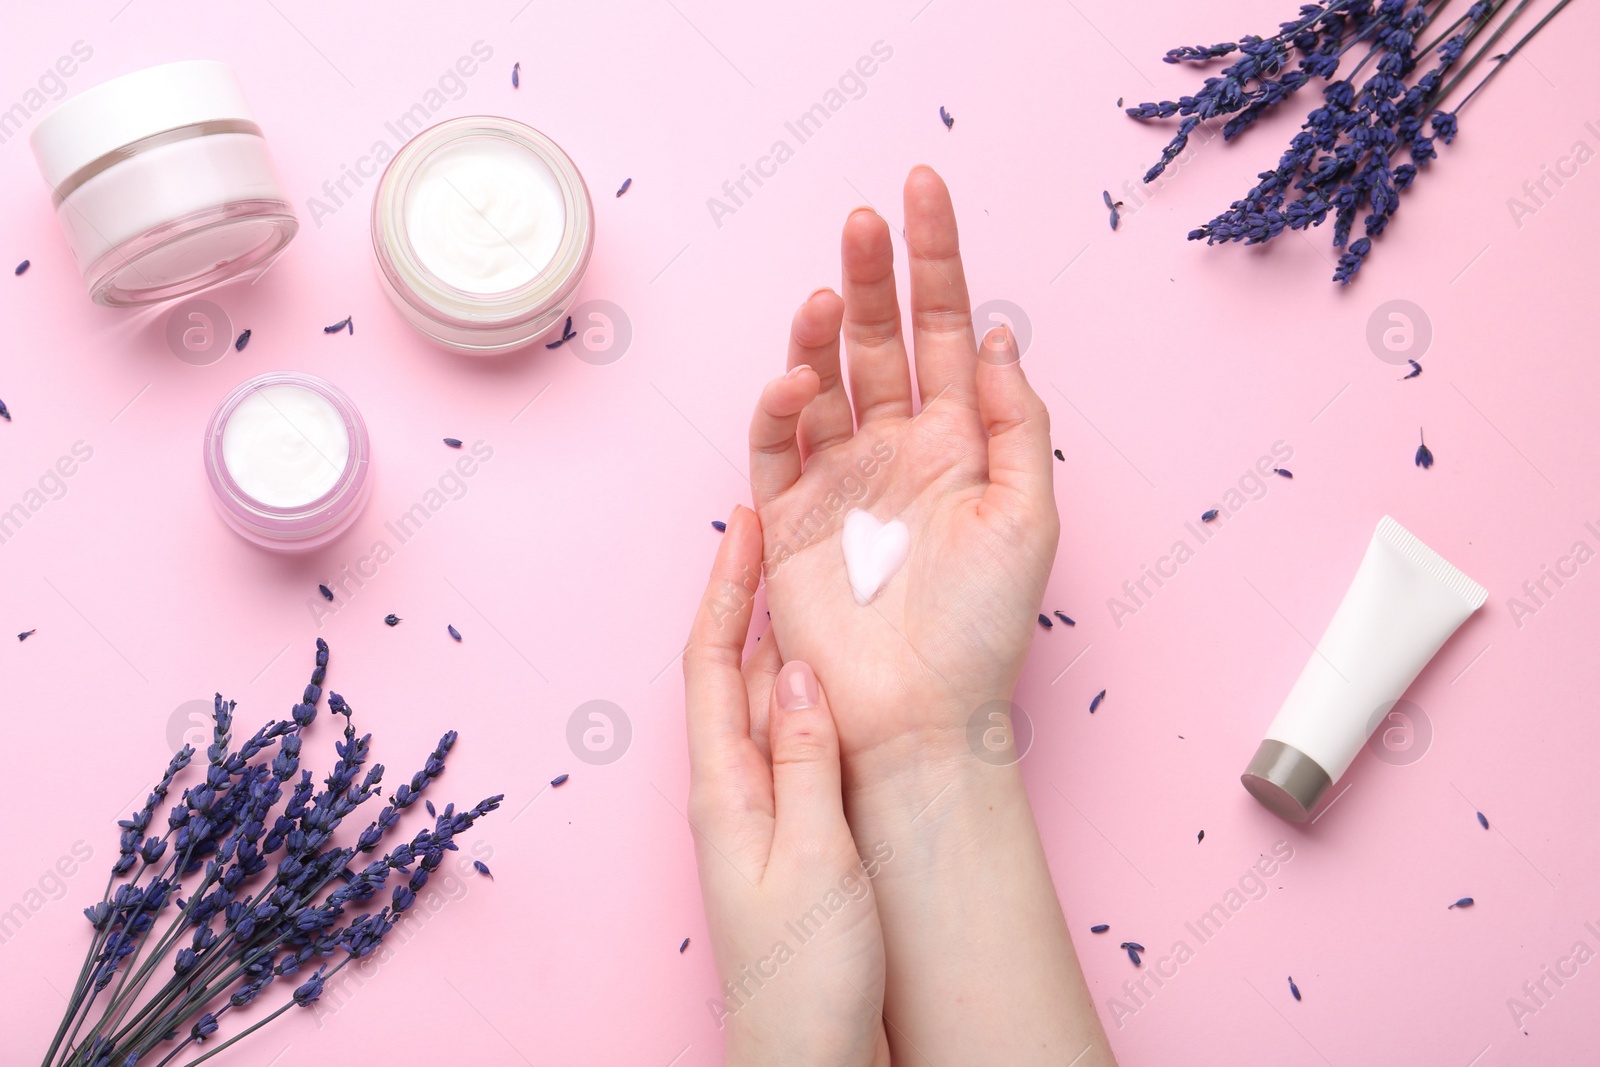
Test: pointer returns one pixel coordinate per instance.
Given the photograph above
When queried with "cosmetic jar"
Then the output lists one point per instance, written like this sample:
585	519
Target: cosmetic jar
481	230
289	461
162	183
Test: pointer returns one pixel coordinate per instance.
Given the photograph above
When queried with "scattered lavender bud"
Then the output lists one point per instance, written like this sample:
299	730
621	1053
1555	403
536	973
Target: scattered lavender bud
1464	902
683	947
567	334
1283	473
23	266
1099	928
240	341
1105	194
5	412
1416	369
24	635
327	594
1133	954
1200	837
558	779
1059	456
516	75
453	632
391	620
945	117
1119	101
626	184
482	868
336	327
1209	515
1044	620
719	526
1116	218
1133	945
350	324
1424	455
1482	821
431	810
1095	703
1065	618
1294	989
453	442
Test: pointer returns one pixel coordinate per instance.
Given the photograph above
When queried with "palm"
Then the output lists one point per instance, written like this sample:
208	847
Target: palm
968	475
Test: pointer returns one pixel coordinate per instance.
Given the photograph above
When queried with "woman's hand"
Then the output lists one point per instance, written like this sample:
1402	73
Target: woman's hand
983	967
969	474
793	917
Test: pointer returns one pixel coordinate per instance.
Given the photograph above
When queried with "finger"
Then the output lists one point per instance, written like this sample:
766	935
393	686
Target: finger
814	340
875	350
1021	483
808	804
941	315
714	688
774	453
760	674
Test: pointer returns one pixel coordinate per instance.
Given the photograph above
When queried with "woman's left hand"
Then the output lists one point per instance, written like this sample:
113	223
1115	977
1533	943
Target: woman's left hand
794	922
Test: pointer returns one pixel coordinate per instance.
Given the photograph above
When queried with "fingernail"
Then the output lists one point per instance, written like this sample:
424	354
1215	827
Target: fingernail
856	211
794	372
797	686
999	347
818	292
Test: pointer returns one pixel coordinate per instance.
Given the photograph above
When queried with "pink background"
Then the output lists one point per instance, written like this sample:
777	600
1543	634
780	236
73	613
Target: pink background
573	560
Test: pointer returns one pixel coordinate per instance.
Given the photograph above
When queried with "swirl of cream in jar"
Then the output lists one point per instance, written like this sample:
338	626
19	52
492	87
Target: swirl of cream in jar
285	446
485	215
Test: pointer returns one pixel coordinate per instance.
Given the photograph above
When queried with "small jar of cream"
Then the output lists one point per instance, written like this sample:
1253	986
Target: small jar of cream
482	228
289	462
162	183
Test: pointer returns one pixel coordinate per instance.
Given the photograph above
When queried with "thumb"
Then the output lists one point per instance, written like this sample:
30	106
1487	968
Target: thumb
1021	482
808	805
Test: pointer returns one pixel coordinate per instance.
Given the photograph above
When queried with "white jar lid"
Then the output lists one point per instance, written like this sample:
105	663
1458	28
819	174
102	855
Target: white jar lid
118	112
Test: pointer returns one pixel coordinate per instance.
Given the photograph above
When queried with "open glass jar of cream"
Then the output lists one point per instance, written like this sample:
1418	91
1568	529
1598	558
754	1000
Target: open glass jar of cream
482	228
288	459
162	183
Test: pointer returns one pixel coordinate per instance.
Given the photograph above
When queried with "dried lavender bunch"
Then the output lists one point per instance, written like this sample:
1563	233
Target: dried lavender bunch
245	885
1342	163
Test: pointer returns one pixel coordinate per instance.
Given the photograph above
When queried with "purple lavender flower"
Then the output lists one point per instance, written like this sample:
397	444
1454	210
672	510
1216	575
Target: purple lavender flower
247	919
309	990
1342	162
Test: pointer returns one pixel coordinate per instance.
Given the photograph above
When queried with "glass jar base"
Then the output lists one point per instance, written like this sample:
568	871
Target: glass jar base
192	253
256	536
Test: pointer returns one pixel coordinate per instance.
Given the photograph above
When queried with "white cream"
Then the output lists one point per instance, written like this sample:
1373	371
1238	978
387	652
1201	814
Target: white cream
285	446
485	215
873	552
1403	604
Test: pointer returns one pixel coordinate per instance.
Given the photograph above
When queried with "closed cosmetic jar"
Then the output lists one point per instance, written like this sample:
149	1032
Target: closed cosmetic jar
481	231
162	183
289	461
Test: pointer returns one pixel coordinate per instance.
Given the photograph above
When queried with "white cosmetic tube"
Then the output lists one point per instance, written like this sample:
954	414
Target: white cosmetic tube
1404	603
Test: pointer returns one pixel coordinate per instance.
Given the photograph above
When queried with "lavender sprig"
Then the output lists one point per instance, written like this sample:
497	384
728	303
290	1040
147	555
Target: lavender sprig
1342	163
244	885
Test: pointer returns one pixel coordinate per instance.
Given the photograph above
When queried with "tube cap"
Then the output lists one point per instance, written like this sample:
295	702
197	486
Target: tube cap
1286	780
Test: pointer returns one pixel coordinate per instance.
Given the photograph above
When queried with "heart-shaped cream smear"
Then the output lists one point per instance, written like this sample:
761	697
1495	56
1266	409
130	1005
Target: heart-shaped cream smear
873	551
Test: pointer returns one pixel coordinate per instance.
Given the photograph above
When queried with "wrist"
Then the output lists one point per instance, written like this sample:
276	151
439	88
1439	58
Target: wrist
937	811
797	1046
